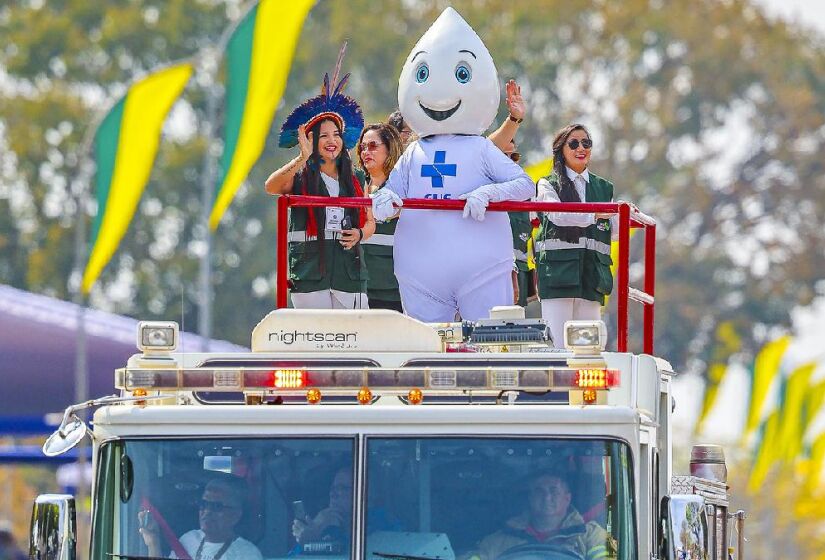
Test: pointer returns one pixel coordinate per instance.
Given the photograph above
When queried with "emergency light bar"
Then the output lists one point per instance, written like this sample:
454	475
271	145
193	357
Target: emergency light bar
346	381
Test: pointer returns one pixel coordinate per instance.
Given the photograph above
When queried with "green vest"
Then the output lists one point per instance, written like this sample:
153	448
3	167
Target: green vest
343	270
521	228
382	283
580	269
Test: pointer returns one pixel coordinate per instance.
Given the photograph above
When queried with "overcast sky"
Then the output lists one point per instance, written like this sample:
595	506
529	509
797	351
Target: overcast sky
810	13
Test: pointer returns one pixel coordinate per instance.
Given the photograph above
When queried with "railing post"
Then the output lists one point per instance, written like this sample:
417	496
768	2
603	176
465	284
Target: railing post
281	256
622	277
650	286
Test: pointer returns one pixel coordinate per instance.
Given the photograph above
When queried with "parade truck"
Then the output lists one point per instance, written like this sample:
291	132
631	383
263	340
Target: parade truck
368	434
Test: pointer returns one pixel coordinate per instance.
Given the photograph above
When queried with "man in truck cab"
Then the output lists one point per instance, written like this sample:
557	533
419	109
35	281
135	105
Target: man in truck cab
219	511
331	523
549	523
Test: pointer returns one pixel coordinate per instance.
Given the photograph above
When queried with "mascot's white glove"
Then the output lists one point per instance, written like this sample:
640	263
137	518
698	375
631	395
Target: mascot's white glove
477	201
382	204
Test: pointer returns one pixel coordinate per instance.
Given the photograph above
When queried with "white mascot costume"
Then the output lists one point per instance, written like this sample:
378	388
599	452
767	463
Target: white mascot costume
447	262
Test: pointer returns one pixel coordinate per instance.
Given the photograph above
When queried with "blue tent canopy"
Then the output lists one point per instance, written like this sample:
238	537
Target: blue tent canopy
38	337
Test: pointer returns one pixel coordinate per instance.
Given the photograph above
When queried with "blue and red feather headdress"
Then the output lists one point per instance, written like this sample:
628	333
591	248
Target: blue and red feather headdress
330	104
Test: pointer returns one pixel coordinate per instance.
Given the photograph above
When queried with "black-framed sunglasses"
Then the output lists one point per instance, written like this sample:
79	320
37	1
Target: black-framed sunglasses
515	156
211	505
573	144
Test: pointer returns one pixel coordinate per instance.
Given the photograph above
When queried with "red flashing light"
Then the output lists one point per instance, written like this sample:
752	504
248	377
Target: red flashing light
597	378
460	347
289	378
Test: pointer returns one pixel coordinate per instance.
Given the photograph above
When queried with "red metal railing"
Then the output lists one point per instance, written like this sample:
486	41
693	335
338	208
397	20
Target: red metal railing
629	217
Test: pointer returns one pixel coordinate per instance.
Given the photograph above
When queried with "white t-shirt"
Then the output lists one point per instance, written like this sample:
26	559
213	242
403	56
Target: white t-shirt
240	549
546	193
334	214
332	184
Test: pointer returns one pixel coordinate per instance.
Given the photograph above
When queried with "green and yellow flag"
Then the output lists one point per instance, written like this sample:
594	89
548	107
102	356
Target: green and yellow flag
793	418
814	479
125	145
727	342
765	456
716	372
765	369
259	55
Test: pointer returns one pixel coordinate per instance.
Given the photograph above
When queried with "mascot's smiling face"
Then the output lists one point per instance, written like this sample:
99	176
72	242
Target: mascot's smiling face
449	83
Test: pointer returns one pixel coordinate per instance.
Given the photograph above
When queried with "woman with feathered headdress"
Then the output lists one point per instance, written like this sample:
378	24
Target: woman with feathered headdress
325	255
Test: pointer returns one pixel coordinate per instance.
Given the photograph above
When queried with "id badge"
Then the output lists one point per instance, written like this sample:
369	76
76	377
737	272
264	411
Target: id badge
335	215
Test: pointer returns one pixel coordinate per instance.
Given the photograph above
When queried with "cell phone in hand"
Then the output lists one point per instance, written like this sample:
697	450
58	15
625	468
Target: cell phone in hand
145	519
299	510
346	223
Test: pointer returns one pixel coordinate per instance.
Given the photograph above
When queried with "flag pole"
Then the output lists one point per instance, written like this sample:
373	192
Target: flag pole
207	193
80	192
211	62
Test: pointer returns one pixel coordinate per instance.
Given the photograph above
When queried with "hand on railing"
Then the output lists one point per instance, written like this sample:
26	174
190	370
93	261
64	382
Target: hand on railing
382	204
476	204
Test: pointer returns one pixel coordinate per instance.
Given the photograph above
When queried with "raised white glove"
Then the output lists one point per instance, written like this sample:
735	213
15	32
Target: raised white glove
476	205
382	204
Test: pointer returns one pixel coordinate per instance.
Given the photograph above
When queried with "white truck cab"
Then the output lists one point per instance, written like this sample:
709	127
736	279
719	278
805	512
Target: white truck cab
369	435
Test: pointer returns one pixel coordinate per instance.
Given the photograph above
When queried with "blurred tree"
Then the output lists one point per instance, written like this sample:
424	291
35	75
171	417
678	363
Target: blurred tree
705	113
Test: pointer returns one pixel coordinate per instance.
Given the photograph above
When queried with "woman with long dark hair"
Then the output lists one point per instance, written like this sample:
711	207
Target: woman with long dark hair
573	250
325	256
379	148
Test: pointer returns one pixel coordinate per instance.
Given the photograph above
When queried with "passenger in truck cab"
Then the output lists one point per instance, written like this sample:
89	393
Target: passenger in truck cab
219	512
549	522
332	523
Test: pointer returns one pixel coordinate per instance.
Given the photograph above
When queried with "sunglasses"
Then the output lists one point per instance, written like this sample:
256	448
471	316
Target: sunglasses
515	156
370	146
587	143
210	505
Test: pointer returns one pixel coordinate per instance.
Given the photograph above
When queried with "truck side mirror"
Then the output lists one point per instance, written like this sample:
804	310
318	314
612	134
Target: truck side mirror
53	534
683	528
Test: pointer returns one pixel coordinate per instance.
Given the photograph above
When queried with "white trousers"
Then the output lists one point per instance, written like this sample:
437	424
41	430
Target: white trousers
329	299
558	311
472	303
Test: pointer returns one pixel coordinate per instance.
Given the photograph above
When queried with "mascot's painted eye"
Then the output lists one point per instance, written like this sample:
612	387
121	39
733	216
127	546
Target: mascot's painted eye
463	73
422	73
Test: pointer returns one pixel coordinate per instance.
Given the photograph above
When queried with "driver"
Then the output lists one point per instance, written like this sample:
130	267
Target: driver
549	521
219	511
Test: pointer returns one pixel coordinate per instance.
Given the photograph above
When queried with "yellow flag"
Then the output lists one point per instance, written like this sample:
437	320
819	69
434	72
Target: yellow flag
727	342
714	378
765	367
540	169
126	143
764	455
259	56
792	421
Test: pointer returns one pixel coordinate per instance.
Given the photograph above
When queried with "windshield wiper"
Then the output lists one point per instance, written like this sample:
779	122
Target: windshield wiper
136	557
393	555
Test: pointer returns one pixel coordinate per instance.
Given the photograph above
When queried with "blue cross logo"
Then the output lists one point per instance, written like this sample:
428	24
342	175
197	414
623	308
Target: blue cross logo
438	170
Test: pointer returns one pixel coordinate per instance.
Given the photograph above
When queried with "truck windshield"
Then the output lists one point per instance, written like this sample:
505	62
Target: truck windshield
498	498
438	498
